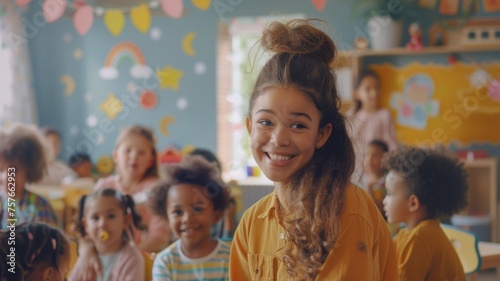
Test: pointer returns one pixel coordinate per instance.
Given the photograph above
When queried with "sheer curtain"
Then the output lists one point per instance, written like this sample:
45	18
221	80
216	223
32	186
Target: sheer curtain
17	98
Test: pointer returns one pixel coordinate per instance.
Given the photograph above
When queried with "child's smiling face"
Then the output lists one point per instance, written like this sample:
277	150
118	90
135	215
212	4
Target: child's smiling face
191	215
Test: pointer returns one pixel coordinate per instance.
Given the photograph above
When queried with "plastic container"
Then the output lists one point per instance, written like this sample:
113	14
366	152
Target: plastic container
477	224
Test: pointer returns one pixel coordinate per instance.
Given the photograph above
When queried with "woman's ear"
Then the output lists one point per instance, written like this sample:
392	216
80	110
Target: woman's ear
248	122
323	135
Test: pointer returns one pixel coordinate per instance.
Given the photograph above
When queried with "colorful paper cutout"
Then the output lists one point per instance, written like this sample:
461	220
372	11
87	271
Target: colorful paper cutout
53	9
173	8
449	7
202	4
200	68
169	77
141	17
164	123
415	105
148	100
122	52
114	21
187	149
92	121
491	6
182	103
105	165
83	19
187	44
155	33
319	4
69	82
111	106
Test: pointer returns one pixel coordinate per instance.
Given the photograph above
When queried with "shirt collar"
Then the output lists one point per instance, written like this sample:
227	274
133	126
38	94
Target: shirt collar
271	208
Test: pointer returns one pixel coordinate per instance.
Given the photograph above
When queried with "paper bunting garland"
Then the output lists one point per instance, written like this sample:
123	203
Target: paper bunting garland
83	19
173	8
22	2
114	18
141	18
202	4
319	4
53	9
114	21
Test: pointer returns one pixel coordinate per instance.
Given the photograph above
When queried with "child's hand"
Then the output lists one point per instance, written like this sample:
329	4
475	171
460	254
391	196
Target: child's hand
88	266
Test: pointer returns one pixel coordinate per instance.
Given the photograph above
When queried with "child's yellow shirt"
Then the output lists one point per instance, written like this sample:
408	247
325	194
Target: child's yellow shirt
425	253
364	250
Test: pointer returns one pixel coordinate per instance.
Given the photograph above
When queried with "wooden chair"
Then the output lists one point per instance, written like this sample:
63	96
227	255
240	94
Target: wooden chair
466	245
148	266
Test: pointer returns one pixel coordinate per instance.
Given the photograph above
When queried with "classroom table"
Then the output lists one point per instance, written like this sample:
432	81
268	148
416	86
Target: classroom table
490	255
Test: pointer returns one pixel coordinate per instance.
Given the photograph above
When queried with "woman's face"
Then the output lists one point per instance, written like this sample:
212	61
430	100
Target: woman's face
284	132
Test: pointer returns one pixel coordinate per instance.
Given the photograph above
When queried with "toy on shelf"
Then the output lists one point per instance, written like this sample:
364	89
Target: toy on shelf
415	43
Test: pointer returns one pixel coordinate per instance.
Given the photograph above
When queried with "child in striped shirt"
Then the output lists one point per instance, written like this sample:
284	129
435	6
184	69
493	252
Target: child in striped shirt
193	199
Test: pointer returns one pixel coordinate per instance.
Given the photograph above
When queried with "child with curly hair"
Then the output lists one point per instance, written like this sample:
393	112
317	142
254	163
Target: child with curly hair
22	161
423	185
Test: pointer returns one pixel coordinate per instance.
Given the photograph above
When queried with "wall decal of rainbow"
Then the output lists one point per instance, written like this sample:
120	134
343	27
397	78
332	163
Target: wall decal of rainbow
123	52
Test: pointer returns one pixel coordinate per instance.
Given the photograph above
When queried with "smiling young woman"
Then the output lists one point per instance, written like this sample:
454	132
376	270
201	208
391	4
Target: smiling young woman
317	224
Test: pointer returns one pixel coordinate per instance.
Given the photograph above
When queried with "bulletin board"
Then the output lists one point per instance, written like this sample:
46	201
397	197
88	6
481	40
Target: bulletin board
442	104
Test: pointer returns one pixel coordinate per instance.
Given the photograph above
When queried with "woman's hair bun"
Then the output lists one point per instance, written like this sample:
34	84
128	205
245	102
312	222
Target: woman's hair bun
299	36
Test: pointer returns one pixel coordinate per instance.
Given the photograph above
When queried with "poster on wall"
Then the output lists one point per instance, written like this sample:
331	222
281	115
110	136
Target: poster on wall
415	105
429	109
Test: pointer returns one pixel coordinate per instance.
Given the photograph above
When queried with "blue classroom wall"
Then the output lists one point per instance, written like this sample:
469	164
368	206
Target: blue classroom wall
52	48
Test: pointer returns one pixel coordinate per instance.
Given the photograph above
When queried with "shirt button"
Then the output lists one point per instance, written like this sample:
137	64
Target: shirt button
282	236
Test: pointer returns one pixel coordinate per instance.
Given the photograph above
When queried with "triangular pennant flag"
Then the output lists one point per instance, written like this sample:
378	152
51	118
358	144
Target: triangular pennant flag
114	21
173	8
83	20
141	17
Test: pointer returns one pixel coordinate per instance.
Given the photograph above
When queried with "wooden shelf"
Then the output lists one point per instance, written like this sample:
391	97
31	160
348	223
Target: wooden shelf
424	51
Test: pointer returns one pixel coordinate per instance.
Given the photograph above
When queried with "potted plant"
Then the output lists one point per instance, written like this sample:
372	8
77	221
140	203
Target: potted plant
385	19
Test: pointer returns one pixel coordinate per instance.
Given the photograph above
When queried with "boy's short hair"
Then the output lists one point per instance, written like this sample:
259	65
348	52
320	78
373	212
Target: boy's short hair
196	170
78	158
22	145
48	130
380	144
435	176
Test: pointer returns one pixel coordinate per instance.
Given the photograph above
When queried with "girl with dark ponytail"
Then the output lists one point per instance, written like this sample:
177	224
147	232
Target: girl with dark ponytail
316	224
107	218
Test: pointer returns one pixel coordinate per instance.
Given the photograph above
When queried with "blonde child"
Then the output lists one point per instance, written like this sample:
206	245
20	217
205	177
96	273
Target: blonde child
105	217
373	179
40	252
368	121
423	185
22	161
136	162
57	171
316	225
193	200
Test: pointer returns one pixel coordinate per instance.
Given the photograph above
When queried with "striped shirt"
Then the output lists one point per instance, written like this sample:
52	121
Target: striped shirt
172	264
